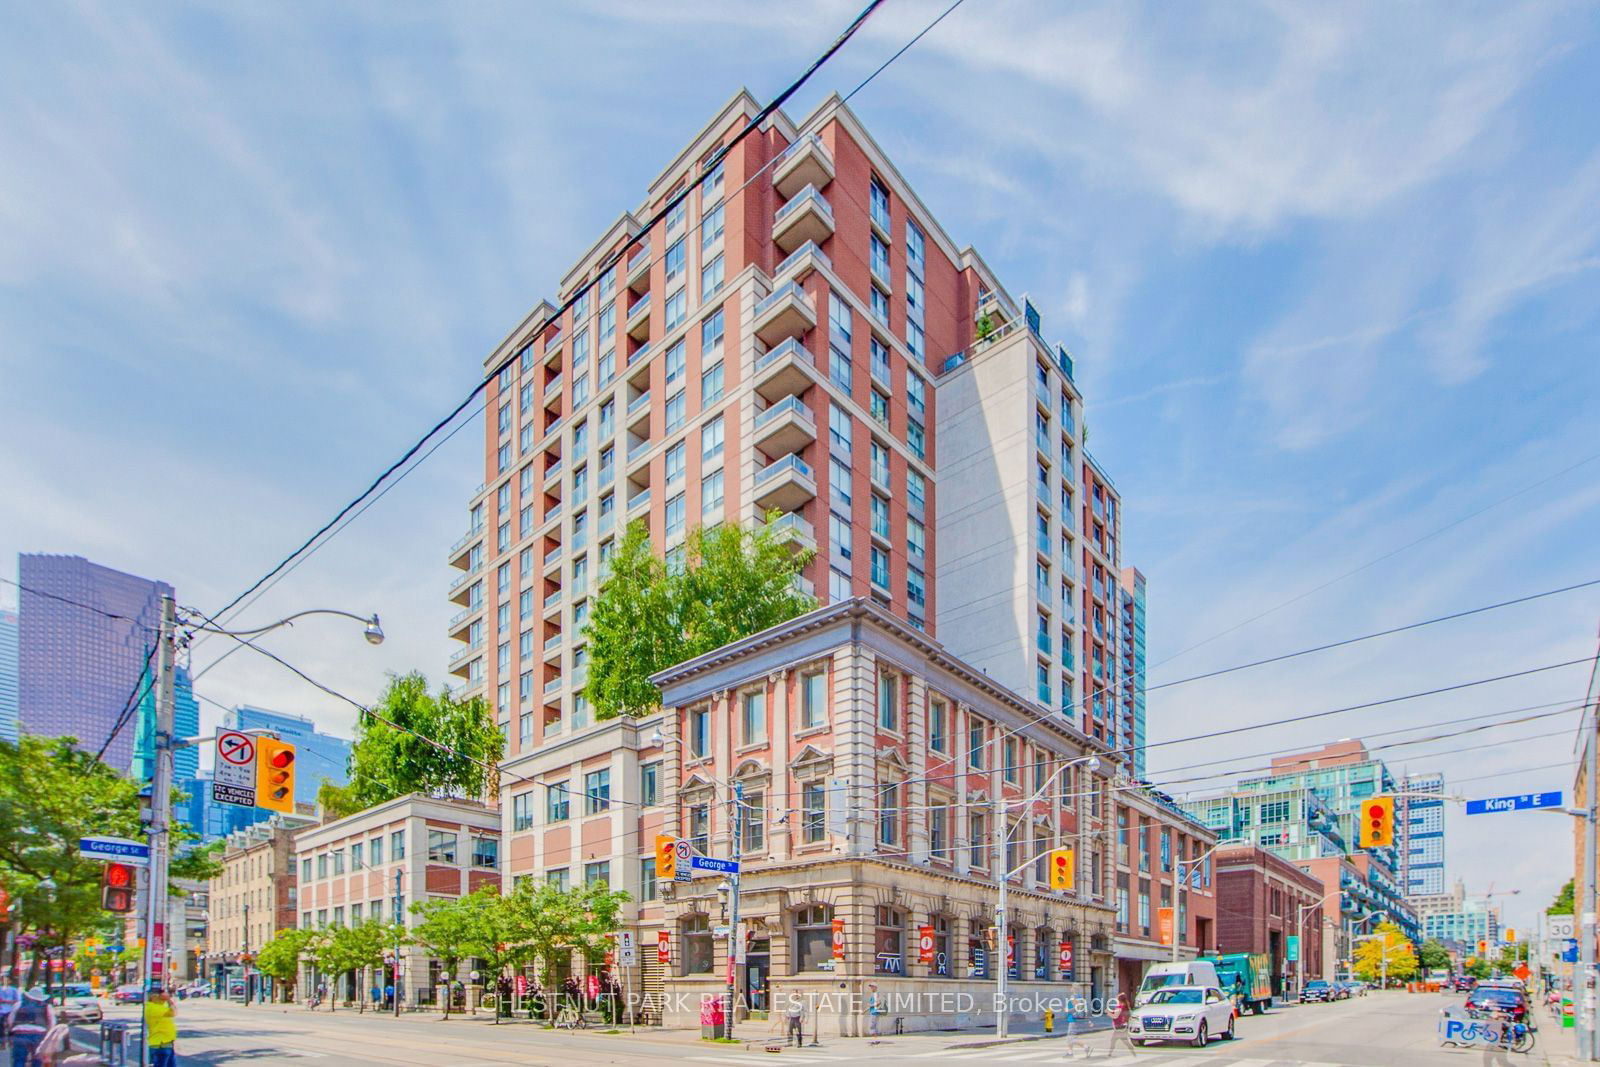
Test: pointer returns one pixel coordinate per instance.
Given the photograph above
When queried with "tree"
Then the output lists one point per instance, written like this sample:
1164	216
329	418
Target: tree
330	954
1434	956
1386	953
1478	967
501	931
391	761
1563	904
279	958
734	582
447	929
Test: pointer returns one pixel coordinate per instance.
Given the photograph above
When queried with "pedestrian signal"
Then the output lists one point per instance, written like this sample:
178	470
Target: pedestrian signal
1061	868
275	775
1377	822
116	887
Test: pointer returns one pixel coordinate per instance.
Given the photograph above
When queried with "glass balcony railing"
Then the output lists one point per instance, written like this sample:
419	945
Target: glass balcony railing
639	254
639	500
810	248
787	404
640	305
789	347
476	531
638	403
553	599
787	289
808	195
787	463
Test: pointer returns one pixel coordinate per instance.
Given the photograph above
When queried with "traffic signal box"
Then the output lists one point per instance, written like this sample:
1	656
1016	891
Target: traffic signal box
1061	868
116	887
1377	822
275	775
666	858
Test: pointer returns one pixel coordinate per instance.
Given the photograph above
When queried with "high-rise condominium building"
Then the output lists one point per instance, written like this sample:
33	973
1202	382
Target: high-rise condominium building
1419	821
77	667
1130	735
799	336
185	723
8	676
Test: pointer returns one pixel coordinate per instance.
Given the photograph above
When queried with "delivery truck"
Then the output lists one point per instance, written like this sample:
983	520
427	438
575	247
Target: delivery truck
1247	978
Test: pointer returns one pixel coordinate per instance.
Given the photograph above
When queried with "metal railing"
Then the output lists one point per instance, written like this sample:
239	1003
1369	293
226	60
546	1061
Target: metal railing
808	195
787	289
787	404
787	463
790	346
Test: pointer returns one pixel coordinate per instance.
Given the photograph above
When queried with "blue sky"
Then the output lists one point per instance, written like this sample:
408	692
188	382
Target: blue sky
1330	276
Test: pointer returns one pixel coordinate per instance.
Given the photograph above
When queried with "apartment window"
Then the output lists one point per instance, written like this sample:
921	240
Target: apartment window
608	417
560	878
754	828
521	812
915	340
813	700
839	366
916	491
839	430
676	361
503	578
939	830
880	409
597	873
650	784
674	261
813	813
678	212
711	227
977	845
608	367
975	743
525	397
675	516
305	870
597	791
486	852
647	879
880	259
700	826
889	701
397	845
674	461
916	539
711	330
880	361
711	494
711	440
677	309
880	517
700	732
916	587
879	205
880	466
914	301
1008	765
880	304
557	802
441	846
839	479
880	568
711	185
580	390
838	586
889	813
608	322
711	384
712	276
916	439
675	412
840	321
915	248
753	719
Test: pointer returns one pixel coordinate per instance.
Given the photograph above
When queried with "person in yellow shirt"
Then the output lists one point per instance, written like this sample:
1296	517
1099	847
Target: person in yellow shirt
161	1024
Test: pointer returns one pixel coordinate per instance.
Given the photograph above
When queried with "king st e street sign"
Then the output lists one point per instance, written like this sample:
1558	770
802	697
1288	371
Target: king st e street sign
1519	802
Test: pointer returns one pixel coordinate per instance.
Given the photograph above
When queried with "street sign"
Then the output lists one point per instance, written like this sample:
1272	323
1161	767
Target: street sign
1561	927
924	944
118	849
681	871
1520	802
710	863
233	777
627	948
1292	952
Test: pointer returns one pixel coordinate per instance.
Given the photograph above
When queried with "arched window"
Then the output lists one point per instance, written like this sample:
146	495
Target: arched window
813	938
696	932
943	964
1043	944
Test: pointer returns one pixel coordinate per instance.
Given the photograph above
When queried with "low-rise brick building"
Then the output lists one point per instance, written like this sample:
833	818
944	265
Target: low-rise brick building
252	899
1262	901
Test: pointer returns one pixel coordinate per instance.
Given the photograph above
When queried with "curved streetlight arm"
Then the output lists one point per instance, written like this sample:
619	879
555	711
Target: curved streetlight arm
371	620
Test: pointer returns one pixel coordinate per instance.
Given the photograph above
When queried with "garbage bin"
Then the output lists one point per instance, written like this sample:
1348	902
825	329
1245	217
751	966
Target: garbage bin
713	1019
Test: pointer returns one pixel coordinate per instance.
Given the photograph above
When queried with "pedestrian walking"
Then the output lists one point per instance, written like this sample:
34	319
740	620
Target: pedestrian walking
388	995
796	1025
875	1010
33	1018
161	1027
10	997
377	994
1119	1025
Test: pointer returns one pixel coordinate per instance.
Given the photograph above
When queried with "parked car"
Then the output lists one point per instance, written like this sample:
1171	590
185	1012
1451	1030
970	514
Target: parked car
1317	990
1183	1013
132	993
75	1002
1499	1000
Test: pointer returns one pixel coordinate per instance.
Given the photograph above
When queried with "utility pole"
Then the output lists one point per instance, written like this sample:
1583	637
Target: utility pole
399	927
1002	1021
155	942
735	935
245	955
1586	907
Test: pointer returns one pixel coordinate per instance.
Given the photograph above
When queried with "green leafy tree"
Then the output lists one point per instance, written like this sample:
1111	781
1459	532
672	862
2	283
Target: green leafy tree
596	909
1563	904
647	617
501	931
1434	956
362	946
448	929
1478	967
1388	952
331	954
279	959
552	924
391	761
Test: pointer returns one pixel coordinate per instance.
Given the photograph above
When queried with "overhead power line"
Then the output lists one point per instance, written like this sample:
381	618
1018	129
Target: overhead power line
617	257
78	604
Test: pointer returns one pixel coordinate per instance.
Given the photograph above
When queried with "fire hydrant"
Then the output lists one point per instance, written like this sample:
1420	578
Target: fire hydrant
1049	1021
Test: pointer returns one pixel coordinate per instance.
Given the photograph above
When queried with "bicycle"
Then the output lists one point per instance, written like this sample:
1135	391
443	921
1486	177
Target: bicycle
570	1018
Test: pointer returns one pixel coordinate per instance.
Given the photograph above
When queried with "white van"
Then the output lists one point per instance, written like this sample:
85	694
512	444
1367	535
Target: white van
1188	973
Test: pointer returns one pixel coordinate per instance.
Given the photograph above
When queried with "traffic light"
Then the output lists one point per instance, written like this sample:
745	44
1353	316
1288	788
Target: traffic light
1483	948
666	858
1061	868
1377	822
275	775
116	887
1511	936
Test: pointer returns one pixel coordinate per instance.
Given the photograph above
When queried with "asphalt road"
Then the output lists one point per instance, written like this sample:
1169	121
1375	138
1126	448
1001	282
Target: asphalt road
1393	1029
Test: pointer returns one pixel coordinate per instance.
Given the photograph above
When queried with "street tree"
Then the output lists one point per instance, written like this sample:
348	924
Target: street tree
330	954
279	958
437	745
447	929
1434	956
1386	953
733	582
1478	967
501	932
1563	903
363	945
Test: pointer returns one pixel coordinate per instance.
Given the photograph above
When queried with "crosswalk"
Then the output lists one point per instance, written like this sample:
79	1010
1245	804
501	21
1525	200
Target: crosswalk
1029	1053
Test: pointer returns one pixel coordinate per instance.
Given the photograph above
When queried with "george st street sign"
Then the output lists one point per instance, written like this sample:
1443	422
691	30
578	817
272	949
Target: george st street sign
1520	802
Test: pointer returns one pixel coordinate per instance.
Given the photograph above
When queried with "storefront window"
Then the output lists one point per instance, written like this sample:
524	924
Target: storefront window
696	932
890	939
813	937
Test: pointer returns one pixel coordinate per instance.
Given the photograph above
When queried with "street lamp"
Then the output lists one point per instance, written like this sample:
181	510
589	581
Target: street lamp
373	631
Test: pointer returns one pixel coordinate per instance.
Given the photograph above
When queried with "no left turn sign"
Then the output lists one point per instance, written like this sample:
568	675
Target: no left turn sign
237	749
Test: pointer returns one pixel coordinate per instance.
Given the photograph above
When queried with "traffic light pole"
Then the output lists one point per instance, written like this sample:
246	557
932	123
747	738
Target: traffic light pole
399	920
155	941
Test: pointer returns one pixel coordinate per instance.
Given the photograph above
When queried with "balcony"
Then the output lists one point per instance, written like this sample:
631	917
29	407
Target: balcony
806	162
802	261
639	403
552	470
552	685
806	217
786	426
793	530
461	622
786	484
638	450
552	558
462	580
553	600
461	551
639	318
551	513
552	343
786	313
639	500
553	643
639	266
552	388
